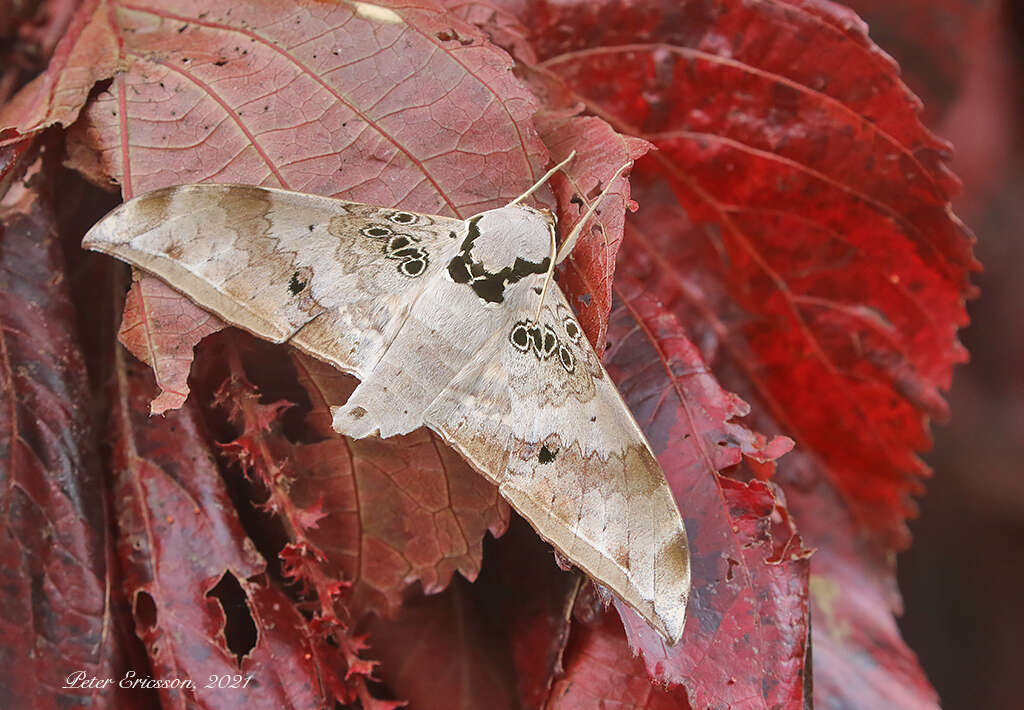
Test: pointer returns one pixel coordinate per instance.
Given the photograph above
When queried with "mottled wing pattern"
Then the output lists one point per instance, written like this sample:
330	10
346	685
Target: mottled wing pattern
536	412
335	278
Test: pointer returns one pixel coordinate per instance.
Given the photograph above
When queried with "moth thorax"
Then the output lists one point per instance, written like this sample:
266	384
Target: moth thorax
511	234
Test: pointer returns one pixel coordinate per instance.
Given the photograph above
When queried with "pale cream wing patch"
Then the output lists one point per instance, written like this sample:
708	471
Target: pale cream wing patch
335	278
542	419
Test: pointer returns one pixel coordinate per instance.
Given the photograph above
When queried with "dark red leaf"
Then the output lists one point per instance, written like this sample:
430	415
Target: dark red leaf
495	644
842	543
823	202
58	613
198	587
603	673
860	659
530	598
746	632
395	511
439	654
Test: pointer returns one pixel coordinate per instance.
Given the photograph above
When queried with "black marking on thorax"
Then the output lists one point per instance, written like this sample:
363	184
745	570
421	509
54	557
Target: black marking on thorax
489	285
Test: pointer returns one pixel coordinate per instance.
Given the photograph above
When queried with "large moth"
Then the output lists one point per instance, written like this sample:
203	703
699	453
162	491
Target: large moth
449	324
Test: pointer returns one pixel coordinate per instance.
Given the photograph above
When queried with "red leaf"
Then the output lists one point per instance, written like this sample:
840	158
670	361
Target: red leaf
824	203
861	595
745	635
495	644
58	612
388	513
193	74
87	53
440	654
860	659
530	598
586	276
161	329
603	673
199	593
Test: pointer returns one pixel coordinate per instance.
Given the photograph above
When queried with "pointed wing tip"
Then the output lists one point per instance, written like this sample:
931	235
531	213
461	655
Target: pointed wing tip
111	231
672	630
666	614
136	215
100	237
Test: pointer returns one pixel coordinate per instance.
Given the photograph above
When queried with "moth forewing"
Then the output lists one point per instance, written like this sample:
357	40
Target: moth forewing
334	278
439	319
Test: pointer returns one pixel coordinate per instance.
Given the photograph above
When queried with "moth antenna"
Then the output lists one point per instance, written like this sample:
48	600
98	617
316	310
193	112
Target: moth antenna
547	176
579	191
548	275
570	241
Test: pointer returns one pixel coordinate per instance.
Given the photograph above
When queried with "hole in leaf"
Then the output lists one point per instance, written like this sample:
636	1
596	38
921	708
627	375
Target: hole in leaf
451	35
732	566
240	633
144	611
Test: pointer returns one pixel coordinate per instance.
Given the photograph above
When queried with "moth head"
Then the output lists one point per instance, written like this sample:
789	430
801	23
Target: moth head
501	248
510	233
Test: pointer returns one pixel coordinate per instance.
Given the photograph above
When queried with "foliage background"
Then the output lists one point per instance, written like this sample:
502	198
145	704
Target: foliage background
961	578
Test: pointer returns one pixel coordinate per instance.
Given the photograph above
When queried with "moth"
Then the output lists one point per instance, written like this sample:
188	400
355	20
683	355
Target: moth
451	324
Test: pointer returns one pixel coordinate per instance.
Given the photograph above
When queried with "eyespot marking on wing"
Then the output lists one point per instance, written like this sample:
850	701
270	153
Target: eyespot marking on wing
414	266
546	343
529	336
376	231
412	259
566	359
572	330
520	338
403	218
